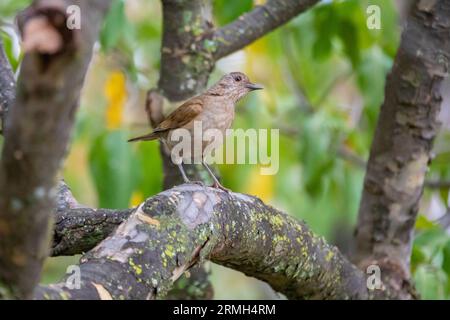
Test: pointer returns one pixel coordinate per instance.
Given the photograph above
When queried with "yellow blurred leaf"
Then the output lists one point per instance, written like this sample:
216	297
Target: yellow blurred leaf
259	2
260	185
116	94
253	55
255	59
423	223
136	198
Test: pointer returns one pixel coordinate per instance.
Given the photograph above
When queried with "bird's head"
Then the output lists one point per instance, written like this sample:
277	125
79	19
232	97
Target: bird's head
234	86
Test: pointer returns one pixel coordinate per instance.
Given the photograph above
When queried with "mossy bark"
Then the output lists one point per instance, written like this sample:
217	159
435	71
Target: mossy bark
185	64
8	85
180	227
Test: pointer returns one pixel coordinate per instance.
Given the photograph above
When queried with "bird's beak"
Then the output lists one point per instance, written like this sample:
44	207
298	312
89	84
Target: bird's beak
254	86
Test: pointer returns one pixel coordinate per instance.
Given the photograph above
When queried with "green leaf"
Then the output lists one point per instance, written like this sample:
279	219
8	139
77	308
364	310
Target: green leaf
8	47
431	243
113	169
114	25
422	223
348	33
446	262
443	194
149	179
226	11
371	77
431	282
319	136
417	256
325	25
9	8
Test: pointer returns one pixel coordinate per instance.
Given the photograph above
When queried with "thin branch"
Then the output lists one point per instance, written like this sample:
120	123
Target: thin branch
180	227
403	140
444	221
349	155
256	23
37	133
297	90
437	184
342	151
339	79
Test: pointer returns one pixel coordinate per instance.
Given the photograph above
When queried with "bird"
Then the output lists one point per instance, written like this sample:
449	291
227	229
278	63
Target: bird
214	108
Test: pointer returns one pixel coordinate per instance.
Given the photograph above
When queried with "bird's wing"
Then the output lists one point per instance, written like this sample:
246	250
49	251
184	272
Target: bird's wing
184	114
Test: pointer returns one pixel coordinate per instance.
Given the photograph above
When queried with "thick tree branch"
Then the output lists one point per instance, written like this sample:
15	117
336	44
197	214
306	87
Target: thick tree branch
83	228
176	229
255	24
37	132
400	152
78	229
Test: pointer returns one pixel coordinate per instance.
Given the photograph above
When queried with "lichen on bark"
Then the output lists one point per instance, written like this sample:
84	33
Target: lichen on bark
179	228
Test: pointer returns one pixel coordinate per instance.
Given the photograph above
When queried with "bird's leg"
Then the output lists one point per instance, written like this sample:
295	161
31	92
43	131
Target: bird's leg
185	177
183	174
216	184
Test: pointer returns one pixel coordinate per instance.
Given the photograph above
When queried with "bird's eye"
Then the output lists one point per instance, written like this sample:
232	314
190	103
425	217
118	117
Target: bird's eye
237	78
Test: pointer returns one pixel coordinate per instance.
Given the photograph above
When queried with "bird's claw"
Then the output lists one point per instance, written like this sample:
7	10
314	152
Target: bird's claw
221	187
200	183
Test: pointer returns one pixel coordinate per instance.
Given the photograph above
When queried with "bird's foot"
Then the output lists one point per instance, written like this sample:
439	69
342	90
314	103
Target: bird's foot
200	183
221	187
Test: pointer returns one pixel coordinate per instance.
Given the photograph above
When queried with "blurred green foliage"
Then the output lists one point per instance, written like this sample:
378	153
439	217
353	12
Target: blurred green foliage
430	260
115	25
324	74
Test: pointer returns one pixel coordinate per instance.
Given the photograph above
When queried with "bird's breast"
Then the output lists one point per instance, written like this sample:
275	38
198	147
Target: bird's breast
218	117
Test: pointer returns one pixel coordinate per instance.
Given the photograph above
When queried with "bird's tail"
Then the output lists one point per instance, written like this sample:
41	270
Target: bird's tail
147	137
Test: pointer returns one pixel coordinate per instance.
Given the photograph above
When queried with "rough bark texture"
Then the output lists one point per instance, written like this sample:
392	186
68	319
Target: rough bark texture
400	151
36	134
185	66
7	85
78	229
180	227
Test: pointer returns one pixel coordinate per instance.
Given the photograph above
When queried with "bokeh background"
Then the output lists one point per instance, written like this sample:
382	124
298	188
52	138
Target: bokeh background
324	75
